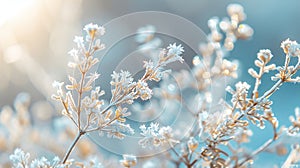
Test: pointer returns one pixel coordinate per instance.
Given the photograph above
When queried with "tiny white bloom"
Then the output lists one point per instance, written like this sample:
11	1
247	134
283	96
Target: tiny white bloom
79	41
175	50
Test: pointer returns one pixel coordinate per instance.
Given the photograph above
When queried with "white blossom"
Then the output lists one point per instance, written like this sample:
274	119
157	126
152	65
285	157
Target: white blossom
94	30
155	136
291	47
175	50
79	41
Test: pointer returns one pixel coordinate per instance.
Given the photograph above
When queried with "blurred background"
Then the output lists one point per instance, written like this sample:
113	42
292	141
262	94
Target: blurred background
35	36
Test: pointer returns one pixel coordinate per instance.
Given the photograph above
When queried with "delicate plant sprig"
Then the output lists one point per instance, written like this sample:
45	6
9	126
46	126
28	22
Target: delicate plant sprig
20	159
208	70
88	113
231	124
250	107
155	136
295	127
215	129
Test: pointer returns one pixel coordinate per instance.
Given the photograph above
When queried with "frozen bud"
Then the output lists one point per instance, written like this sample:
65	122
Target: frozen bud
98	45
253	73
128	160
58	86
192	144
143	90
166	132
264	55
236	10
290	47
196	60
229	90
229	45
244	31
225	25
94	30
242	86
270	67
79	41
216	36
206	49
175	49
213	22
74	52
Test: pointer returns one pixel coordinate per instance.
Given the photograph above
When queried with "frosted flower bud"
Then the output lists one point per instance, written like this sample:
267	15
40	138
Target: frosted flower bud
290	47
58	86
165	132
216	36
73	52
213	22
128	160
94	30
242	87
225	25
192	144
264	55
206	49
229	43
236	10
253	73
175	50
244	31
196	60
79	41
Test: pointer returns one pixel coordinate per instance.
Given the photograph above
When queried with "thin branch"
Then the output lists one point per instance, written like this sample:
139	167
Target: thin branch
67	110
177	154
263	147
102	126
72	146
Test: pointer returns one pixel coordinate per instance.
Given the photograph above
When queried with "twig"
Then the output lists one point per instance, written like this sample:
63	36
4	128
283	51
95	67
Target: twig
72	146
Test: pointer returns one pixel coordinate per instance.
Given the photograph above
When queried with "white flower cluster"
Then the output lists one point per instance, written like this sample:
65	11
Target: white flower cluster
125	90
240	93
291	48
20	159
294	129
155	136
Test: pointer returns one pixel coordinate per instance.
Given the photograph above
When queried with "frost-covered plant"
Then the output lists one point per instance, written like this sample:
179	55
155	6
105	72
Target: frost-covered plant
20	159
212	141
221	128
89	113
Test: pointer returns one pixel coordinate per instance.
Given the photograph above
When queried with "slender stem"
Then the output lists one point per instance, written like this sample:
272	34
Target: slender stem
257	151
88	121
79	99
67	110
177	154
80	92
258	81
72	146
106	108
263	147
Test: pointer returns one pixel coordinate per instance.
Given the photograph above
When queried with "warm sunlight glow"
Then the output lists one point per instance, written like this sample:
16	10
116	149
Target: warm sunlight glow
12	8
